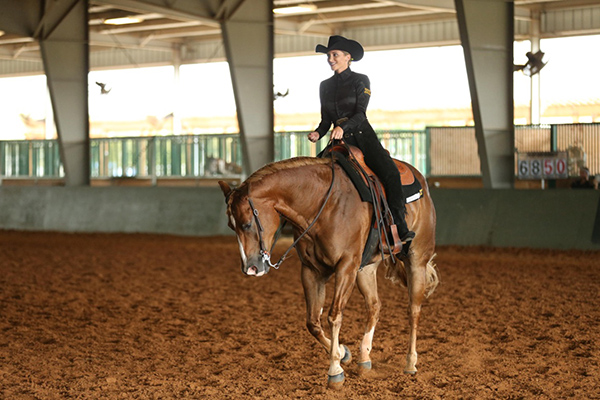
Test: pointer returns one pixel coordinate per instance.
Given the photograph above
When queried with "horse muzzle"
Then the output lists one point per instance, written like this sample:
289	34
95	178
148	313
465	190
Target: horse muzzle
255	266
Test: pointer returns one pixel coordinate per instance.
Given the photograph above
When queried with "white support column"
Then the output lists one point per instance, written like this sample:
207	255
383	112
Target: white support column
535	97
248	39
177	127
63	37
486	31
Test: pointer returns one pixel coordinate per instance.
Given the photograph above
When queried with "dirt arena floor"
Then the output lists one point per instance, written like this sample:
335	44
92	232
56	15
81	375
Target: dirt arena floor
115	316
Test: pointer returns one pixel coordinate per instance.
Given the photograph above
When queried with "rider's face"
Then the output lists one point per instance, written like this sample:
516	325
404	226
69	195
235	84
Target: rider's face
338	60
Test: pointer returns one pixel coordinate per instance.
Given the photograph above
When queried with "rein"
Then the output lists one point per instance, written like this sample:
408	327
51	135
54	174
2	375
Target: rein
266	254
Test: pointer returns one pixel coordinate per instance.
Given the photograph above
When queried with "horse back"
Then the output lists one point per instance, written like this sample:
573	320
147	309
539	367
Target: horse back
407	176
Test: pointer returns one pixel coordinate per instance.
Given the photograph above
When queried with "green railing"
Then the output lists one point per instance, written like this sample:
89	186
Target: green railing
186	156
30	158
439	151
409	146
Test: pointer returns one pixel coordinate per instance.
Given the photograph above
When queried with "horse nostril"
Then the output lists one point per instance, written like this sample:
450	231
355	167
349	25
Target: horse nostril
252	270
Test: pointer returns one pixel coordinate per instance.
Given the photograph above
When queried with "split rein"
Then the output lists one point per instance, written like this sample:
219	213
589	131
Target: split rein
266	254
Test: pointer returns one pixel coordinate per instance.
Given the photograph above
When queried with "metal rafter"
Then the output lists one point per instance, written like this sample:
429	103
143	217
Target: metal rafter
167	24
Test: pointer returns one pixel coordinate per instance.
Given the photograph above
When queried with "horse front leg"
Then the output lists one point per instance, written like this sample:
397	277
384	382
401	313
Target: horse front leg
344	282
314	293
313	283
416	283
367	285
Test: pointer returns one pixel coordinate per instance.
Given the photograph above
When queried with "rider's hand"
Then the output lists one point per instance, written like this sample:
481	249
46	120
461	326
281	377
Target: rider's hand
337	133
313	136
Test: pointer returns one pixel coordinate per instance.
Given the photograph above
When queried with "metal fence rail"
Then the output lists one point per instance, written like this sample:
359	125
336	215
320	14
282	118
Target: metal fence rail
436	152
582	144
186	156
409	146
533	138
453	150
30	158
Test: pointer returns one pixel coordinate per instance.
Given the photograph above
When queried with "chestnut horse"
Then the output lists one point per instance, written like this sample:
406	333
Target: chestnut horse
298	190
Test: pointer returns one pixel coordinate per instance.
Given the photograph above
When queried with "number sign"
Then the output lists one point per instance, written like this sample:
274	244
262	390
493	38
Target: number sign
551	165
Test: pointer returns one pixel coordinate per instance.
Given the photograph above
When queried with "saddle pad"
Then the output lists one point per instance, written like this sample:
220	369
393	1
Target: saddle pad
411	187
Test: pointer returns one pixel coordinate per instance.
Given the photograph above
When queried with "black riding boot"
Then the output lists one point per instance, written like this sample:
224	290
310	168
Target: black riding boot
396	202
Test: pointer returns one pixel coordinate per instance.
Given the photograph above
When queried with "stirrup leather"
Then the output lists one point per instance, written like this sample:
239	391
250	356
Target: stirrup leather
396	247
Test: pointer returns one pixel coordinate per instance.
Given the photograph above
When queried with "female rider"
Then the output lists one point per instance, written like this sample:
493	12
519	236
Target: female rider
344	99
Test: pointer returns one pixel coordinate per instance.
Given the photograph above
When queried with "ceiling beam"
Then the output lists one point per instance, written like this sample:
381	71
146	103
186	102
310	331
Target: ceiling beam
21	53
191	10
128	42
154	26
367	15
428	5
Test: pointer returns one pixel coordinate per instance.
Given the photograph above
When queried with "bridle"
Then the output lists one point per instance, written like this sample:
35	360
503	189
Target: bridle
266	254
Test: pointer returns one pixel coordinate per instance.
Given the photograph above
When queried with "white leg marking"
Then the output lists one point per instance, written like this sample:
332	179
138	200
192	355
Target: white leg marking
367	342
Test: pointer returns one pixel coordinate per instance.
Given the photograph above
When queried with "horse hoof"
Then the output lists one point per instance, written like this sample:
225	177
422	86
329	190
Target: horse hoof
364	367
410	371
336	382
347	355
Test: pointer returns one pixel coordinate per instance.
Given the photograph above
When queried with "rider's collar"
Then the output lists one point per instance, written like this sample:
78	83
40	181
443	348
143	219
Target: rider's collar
345	74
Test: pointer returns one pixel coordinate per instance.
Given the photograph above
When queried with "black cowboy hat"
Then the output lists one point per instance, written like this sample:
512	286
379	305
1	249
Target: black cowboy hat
337	42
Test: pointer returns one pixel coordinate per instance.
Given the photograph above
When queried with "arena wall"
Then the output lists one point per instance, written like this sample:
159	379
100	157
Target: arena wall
561	219
172	210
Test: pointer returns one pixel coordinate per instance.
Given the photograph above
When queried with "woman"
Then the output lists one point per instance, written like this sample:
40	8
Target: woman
344	100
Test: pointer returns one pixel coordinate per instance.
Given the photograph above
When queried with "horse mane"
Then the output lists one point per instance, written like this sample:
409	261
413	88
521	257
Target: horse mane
277	166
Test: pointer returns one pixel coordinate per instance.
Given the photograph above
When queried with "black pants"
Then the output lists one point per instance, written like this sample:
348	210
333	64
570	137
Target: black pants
379	160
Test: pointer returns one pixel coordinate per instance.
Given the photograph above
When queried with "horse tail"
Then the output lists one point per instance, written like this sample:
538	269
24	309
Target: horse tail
432	276
396	272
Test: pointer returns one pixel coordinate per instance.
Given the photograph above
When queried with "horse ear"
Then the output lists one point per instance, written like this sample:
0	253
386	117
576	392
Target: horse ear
225	188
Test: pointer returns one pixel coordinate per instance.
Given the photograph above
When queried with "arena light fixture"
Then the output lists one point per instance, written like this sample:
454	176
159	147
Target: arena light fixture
123	21
534	63
299	9
1	33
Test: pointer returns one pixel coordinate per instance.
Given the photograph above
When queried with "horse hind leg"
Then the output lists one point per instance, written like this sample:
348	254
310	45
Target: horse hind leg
367	285
344	283
421	282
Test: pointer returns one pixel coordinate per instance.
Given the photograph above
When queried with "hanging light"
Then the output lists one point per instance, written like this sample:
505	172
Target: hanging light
534	63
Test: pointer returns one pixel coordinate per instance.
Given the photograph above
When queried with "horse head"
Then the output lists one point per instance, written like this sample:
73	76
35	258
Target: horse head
254	223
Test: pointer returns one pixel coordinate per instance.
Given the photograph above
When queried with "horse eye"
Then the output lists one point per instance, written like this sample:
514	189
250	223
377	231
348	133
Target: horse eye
247	226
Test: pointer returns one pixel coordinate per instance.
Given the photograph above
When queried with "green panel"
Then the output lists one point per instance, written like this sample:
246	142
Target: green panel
221	154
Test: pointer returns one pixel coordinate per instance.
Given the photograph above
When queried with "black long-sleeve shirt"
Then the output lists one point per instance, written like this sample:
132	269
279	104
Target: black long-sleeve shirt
344	100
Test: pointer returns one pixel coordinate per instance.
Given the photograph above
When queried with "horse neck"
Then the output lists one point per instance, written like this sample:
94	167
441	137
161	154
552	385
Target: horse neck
297	193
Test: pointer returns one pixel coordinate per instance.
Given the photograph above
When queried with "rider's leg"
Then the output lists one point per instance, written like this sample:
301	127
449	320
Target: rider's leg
379	160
